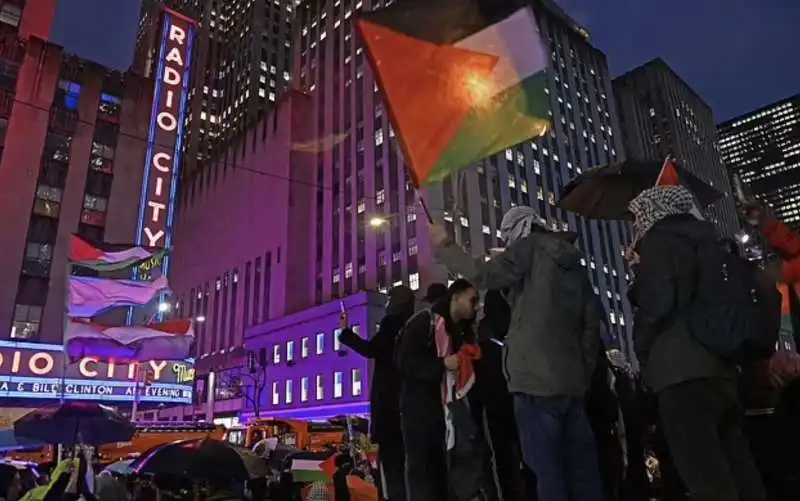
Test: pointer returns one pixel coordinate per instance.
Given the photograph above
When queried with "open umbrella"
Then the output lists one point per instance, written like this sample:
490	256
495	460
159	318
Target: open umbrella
201	458
120	467
604	192
75	423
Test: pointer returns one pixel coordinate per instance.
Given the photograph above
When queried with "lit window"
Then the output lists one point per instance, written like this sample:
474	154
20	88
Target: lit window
304	389
26	321
380	197
276	396
355	382
413	281
378	137
288	391
320	342
304	347
276	354
337	384
320	390
289	351
10	14
337	345
71	90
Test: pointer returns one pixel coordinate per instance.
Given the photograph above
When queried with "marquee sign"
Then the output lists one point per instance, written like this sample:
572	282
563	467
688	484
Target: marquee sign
33	370
165	136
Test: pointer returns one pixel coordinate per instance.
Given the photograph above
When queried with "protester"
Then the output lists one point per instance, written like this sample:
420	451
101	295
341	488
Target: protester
773	392
696	390
421	399
435	292
385	422
492	404
10	484
550	350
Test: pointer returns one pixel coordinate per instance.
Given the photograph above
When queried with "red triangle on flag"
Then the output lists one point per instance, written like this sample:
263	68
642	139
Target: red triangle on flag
428	90
80	250
669	175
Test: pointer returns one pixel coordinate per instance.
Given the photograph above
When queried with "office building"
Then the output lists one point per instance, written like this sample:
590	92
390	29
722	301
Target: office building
242	254
660	115
313	203
73	140
361	180
311	375
763	148
241	65
28	18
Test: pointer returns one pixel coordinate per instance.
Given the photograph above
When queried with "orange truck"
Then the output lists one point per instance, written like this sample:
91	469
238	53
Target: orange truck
148	435
307	435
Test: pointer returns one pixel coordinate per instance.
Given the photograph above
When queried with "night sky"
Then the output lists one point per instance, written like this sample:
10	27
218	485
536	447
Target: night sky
737	54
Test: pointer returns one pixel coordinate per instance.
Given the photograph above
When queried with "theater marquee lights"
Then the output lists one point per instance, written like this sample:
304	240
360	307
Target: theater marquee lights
33	371
165	136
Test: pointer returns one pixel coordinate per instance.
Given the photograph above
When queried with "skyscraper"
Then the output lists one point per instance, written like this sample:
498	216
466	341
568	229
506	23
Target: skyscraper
241	65
367	233
662	115
763	147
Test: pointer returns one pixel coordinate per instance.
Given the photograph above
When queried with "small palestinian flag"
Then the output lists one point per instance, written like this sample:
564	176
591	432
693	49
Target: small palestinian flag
110	258
668	175
461	79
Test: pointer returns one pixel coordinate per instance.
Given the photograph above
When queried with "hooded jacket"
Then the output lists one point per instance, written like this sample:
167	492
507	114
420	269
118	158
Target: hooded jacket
667	351
553	337
385	386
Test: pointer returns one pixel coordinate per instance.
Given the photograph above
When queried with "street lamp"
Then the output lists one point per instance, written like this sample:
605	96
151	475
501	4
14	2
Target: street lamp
164	307
377	222
200	318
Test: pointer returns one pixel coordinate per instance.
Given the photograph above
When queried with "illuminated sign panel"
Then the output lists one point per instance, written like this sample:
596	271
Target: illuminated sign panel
165	136
32	370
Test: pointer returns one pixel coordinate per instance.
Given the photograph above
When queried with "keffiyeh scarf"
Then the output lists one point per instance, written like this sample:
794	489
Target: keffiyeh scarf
518	223
455	385
657	203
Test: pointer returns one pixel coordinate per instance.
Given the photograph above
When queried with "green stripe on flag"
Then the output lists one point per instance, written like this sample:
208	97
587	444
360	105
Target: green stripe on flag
485	132
102	266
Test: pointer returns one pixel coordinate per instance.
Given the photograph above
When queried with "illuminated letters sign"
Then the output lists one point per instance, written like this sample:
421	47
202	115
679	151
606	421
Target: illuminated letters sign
33	370
165	136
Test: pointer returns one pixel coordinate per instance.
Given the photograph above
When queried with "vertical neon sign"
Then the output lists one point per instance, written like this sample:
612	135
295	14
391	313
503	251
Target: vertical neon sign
166	134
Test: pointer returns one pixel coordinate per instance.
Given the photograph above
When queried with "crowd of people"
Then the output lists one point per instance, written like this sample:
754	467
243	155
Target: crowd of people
508	384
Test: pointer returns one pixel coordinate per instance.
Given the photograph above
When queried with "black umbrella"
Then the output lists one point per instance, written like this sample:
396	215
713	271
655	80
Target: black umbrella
75	423
201	458
604	192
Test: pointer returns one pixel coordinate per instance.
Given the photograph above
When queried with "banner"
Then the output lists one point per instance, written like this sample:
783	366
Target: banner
33	371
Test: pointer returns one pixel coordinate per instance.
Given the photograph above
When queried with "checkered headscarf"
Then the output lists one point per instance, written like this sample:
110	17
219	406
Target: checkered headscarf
518	222
657	203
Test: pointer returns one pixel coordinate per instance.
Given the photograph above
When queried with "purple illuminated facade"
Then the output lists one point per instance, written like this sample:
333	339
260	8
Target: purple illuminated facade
241	244
309	374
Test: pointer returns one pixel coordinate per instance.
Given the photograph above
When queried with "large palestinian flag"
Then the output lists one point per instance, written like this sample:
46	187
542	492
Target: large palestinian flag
105	257
461	79
170	340
89	296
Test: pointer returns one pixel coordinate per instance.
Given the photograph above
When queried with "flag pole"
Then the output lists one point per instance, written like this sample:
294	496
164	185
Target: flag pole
135	404
663	168
65	359
423	205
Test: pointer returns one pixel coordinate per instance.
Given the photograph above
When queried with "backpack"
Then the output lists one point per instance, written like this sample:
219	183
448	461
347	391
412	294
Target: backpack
733	311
